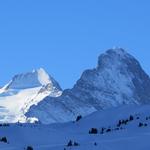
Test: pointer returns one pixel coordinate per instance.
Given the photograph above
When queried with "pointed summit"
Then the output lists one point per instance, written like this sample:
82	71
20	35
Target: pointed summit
118	52
43	76
36	78
118	79
115	57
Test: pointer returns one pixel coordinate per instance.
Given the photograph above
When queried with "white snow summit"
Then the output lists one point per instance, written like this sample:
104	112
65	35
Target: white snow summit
23	91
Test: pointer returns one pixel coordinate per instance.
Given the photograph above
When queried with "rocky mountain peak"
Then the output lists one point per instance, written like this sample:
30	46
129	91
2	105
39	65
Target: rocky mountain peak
36	78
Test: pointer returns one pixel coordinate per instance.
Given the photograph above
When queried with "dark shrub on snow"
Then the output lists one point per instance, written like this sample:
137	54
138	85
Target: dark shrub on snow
140	124
70	143
131	118
108	130
3	139
76	144
145	124
93	131
79	117
29	148
119	123
102	130
95	144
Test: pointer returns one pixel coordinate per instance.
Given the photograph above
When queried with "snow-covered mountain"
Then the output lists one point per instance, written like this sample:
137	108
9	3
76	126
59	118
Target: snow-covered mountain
114	98
118	79
23	91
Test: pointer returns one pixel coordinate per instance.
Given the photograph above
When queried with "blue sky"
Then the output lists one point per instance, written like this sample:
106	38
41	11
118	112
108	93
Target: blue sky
66	36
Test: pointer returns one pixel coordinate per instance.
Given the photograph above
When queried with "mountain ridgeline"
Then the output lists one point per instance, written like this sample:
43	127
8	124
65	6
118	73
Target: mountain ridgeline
117	80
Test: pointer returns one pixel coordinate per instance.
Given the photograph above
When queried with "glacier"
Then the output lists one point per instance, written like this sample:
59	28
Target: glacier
23	91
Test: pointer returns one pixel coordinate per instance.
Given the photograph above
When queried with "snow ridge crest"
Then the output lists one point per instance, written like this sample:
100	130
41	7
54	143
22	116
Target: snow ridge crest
32	79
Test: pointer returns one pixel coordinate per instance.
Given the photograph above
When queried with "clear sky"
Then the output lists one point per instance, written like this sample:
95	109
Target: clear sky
66	36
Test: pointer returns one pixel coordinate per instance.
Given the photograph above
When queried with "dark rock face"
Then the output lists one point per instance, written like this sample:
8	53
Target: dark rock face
118	79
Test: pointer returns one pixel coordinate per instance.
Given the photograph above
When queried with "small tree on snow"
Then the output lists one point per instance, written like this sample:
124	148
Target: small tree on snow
69	143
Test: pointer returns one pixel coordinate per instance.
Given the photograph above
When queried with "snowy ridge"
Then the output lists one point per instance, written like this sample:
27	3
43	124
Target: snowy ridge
23	91
32	79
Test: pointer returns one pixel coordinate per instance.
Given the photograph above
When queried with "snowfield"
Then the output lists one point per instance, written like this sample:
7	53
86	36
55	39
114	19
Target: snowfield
129	136
13	103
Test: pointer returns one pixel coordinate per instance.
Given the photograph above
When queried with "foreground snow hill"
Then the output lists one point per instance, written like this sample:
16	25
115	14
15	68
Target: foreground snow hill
23	91
122	128
118	79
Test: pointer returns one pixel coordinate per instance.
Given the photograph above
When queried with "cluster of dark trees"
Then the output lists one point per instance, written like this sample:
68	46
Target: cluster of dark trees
4	140
102	130
148	118
142	124
109	129
4	124
119	125
125	121
72	143
93	131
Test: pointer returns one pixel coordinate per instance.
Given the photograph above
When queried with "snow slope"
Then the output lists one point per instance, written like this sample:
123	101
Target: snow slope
23	91
56	136
118	79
